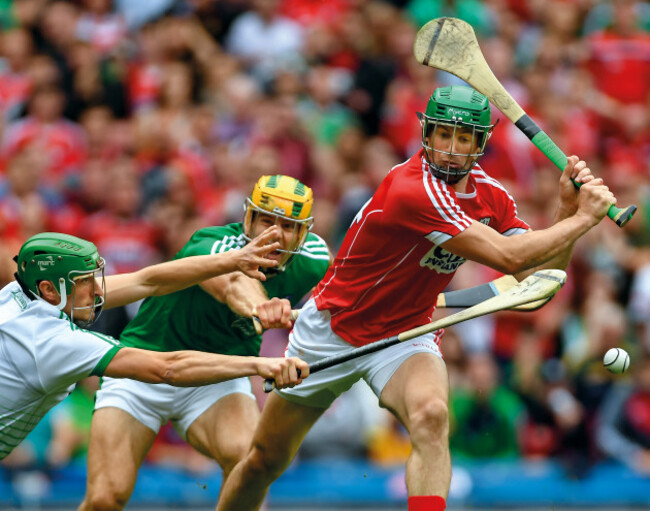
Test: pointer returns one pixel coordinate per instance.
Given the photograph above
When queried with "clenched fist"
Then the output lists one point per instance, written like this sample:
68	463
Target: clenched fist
287	372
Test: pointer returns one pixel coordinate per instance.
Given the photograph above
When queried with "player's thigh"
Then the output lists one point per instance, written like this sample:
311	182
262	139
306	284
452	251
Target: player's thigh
224	431
118	445
420	384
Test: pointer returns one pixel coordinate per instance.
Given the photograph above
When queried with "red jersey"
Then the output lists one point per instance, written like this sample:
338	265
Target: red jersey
390	267
620	65
63	141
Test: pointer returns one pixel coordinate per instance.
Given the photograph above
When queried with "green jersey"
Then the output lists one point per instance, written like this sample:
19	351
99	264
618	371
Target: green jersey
192	319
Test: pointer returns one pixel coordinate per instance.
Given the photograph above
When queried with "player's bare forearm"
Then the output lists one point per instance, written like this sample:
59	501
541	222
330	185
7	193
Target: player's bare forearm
516	254
179	368
194	368
189	368
239	292
559	262
165	278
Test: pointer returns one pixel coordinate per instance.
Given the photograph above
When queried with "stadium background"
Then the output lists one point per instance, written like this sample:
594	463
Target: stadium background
133	123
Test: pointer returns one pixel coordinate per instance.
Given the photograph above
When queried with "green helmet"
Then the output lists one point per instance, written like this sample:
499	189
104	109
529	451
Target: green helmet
60	259
457	107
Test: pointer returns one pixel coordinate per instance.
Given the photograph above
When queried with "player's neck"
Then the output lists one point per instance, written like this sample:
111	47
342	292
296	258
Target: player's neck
461	186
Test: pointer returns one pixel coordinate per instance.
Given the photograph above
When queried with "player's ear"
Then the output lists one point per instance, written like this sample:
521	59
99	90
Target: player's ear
47	290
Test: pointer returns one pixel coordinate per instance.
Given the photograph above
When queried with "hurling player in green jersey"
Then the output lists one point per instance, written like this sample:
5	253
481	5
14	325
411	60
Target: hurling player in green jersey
215	316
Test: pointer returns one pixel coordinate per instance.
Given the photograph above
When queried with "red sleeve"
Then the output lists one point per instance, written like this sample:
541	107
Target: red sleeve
508	221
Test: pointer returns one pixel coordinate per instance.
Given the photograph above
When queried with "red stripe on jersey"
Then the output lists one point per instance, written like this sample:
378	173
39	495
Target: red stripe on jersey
442	190
447	209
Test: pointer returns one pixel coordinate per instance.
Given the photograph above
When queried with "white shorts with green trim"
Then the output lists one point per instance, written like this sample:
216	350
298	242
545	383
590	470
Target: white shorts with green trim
312	339
155	404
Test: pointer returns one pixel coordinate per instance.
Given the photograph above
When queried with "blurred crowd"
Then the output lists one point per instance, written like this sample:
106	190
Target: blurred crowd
133	123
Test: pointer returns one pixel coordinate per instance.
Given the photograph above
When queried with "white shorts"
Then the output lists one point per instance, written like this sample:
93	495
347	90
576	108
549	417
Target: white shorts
155	404
312	339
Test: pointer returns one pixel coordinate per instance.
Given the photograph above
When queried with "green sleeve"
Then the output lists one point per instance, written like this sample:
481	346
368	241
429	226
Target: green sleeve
7	18
106	359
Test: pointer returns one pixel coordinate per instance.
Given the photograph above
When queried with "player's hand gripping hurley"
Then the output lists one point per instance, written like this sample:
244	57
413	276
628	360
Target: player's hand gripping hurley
450	44
540	286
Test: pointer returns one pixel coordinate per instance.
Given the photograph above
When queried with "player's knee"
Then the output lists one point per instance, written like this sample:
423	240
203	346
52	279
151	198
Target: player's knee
430	420
267	463
235	452
105	499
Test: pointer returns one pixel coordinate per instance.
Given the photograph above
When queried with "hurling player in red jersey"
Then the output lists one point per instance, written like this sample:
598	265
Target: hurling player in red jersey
427	217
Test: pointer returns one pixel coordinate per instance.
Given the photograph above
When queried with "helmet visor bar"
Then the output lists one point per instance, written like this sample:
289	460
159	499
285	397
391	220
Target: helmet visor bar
95	308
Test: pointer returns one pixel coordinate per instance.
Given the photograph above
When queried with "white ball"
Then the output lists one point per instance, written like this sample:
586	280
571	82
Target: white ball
616	360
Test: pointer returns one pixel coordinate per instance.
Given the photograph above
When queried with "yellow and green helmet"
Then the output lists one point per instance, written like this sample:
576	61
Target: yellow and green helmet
286	199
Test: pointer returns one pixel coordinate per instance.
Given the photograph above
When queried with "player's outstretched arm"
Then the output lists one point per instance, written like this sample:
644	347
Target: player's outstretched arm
164	278
514	254
194	368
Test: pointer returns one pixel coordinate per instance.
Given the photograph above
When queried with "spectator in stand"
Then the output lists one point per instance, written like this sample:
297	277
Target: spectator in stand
237	101
101	26
24	13
201	109
25	204
95	82
320	111
344	430
280	126
145	71
98	122
405	95
600	16
62	141
640	305
474	12
264	39
617	61
57	28
16	50
486	417
175	103
129	241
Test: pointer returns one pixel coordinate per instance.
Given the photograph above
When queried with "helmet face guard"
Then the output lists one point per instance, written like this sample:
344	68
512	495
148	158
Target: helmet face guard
64	261
95	308
455	113
288	202
458	164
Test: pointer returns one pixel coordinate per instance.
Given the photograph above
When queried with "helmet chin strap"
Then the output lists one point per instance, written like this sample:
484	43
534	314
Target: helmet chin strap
62	293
